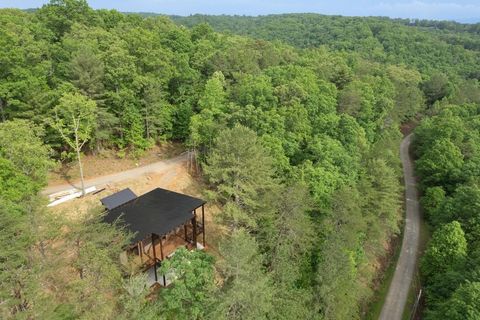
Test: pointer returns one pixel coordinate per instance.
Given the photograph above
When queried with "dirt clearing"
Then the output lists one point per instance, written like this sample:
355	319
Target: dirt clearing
172	174
108	162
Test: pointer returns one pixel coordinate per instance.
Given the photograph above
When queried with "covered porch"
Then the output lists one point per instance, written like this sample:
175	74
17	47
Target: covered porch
162	222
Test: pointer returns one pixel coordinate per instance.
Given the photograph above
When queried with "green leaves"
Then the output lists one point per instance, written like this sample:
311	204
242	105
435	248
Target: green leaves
133	129
75	119
464	304
247	292
440	164
59	15
21	143
214	94
87	72
436	88
204	126
191	294
241	172
16	187
446	250
432	202
300	147
448	165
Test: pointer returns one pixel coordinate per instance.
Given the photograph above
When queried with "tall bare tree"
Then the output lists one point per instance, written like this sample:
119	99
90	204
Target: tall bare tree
75	120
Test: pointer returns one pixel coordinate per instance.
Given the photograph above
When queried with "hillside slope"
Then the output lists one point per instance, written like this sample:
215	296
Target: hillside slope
426	45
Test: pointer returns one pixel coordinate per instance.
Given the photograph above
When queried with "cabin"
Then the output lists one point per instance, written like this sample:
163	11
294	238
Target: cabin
162	221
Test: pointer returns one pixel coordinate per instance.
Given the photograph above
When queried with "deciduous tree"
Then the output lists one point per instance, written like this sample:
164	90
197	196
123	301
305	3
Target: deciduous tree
446	250
190	296
74	120
21	143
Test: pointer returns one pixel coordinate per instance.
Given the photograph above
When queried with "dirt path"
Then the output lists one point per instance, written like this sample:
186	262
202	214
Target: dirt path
399	287
99	182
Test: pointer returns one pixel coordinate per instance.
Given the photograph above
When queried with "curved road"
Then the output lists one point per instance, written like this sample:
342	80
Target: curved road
399	287
160	166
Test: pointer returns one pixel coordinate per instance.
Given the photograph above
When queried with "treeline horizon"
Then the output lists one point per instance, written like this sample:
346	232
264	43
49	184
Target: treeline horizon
469	25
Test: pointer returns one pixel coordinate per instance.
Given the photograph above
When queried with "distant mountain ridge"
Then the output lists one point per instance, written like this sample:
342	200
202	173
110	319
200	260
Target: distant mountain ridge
424	44
473	20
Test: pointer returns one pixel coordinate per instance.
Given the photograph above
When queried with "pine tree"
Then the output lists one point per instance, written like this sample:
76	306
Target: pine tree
247	291
16	277
291	245
133	132
87	72
87	257
242	174
204	126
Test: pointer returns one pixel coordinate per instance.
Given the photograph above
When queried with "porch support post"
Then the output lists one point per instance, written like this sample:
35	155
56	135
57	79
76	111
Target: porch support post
203	223
161	248
161	256
194	222
154	258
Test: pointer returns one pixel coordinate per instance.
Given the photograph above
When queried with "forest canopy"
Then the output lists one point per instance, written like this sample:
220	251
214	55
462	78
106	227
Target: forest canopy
295	122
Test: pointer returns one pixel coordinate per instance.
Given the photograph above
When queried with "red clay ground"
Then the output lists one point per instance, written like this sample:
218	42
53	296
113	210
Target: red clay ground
173	174
108	162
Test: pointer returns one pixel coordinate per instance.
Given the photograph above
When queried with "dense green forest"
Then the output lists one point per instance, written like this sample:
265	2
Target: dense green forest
447	146
426	45
295	124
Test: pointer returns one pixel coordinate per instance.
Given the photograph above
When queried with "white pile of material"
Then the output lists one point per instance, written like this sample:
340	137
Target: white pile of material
67	195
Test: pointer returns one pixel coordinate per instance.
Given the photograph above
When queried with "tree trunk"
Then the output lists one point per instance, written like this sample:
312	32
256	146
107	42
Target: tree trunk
79	269
2	110
147	122
77	149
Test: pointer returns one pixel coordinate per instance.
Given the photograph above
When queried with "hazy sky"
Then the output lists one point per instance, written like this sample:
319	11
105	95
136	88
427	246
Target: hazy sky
460	10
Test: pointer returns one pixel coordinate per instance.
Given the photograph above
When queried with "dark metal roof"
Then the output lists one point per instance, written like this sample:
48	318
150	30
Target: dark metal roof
117	199
158	211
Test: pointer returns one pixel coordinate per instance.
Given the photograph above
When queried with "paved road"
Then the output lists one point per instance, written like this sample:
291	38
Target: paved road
407	261
161	166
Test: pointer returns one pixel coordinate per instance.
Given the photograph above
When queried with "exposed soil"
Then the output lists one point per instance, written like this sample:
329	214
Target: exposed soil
175	176
407	127
109	161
